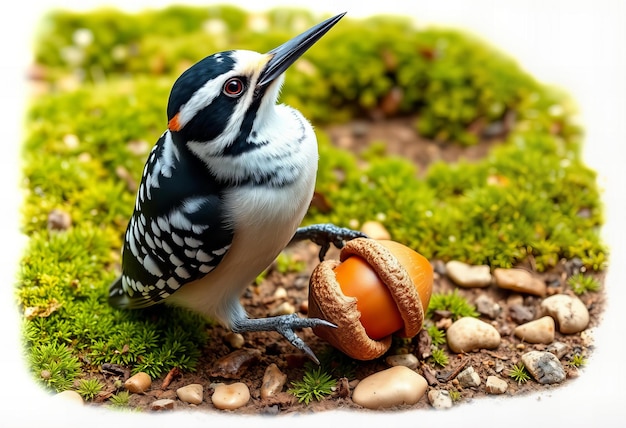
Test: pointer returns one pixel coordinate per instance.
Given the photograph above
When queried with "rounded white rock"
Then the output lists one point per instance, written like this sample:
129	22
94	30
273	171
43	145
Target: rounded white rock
537	331
519	280
468	276
406	360
230	397
569	312
439	399
70	396
388	388
138	383
470	334
192	393
495	385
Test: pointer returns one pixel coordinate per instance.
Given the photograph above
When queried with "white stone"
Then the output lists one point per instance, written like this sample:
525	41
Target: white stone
406	360
544	367
284	308
519	280
468	276
138	383
70	396
495	385
230	397
192	393
468	378
388	388
273	381
163	404
559	349
569	312
375	230
439	399
469	334
235	340
537	331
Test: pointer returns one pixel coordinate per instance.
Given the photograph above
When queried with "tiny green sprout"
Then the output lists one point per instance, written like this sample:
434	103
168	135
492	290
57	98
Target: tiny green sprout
315	384
518	373
439	356
455	395
578	360
121	399
437	336
89	388
582	283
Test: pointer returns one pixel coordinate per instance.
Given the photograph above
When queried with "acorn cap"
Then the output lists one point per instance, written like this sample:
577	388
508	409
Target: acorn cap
327	301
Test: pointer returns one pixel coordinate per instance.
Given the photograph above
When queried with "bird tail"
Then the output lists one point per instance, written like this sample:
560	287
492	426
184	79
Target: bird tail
118	298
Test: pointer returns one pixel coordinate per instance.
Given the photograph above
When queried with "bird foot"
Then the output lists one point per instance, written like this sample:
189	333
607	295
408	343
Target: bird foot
285	325
325	234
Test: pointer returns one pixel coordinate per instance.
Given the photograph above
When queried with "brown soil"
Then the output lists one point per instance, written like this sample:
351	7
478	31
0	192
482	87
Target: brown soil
260	301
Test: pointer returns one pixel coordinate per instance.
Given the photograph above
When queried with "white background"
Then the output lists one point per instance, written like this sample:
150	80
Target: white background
579	46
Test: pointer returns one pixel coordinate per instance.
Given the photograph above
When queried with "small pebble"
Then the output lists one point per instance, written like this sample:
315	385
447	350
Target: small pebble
304	307
439	399
70	396
495	385
273	381
537	331
519	280
192	394
569	312
233	365
71	141
468	378
521	314
163	404
468	276
284	308
486	306
559	349
138	383
375	230
280	293
544	367
406	360
388	388
235	340
59	220
470	334
230	397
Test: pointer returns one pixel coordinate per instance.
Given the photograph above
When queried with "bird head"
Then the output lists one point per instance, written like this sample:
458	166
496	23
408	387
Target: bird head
218	99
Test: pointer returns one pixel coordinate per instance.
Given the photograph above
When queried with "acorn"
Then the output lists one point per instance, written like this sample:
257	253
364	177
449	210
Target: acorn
376	289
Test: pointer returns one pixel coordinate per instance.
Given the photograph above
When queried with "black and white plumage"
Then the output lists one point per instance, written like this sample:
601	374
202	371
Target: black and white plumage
224	190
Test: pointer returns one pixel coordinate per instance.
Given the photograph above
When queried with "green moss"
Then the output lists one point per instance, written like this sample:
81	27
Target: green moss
456	304
108	76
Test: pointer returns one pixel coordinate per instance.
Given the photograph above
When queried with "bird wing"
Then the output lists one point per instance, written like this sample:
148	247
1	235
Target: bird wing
178	232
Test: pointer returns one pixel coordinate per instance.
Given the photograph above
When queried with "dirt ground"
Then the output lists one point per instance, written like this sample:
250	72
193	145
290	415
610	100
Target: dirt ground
260	301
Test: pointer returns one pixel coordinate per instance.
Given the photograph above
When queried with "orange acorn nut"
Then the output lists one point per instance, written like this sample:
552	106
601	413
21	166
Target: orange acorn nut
378	288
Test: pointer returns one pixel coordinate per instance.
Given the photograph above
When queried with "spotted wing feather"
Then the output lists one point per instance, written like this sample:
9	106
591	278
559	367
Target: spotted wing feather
177	233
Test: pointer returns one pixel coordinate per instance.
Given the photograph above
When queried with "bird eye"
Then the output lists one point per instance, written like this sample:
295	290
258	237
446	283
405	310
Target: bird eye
233	87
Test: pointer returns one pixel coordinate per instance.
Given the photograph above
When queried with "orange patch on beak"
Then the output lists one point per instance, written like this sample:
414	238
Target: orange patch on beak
173	124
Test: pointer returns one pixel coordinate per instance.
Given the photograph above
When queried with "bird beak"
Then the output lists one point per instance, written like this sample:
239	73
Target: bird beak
287	53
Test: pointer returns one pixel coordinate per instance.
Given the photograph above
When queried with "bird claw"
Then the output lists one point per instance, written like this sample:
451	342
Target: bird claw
326	234
285	325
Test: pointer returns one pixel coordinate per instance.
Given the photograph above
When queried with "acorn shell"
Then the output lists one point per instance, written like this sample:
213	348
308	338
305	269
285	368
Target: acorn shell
327	301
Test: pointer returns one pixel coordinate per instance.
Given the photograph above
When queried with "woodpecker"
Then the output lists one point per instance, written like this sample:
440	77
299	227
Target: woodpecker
224	190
